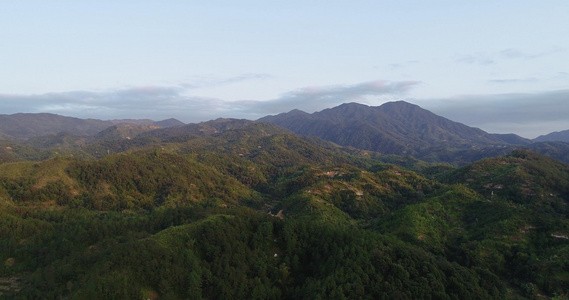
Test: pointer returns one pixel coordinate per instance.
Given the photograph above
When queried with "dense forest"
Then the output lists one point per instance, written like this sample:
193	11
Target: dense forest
254	212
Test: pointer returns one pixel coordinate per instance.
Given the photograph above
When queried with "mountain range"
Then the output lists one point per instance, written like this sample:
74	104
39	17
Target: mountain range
394	128
240	209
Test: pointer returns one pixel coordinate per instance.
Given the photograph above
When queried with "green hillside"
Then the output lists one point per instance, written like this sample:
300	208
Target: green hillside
244	210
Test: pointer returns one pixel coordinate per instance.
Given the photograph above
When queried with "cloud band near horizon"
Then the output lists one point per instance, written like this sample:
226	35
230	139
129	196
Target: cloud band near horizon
528	114
153	102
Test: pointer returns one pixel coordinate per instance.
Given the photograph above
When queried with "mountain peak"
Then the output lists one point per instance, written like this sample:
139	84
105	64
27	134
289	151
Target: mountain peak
402	107
393	106
351	105
170	123
400	102
397	127
297	112
345	110
559	136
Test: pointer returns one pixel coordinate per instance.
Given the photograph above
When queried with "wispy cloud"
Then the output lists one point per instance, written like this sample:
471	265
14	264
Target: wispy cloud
394	67
514	80
153	102
517	54
348	92
476	58
139	102
489	58
399	65
513	53
315	98
211	81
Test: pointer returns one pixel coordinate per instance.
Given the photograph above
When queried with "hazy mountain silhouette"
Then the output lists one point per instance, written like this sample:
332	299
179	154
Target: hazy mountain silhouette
392	128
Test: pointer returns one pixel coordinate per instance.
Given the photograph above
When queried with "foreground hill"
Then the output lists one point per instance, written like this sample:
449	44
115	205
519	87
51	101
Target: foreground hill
524	177
246	210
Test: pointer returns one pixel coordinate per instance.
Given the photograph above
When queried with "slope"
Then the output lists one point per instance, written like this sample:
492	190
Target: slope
558	136
393	128
170	217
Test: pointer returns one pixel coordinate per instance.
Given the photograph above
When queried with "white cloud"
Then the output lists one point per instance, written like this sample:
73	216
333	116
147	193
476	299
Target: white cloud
211	81
514	80
139	102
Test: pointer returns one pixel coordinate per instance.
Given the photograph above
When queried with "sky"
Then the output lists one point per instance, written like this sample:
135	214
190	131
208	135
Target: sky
500	65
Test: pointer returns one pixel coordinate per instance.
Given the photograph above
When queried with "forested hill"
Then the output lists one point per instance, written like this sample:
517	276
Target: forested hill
394	127
398	128
235	209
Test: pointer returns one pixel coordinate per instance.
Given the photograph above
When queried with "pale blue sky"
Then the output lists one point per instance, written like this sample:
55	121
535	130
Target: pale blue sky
475	62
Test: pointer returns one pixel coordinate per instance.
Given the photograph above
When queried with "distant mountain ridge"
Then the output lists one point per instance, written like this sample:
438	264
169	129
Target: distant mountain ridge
23	126
213	127
119	132
147	122
392	128
558	136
